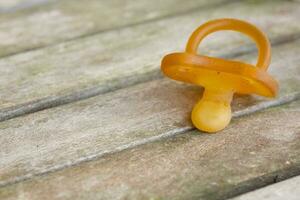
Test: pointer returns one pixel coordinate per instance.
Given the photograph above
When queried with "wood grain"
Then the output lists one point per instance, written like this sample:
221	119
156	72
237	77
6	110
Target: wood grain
10	6
288	189
31	24
254	151
90	66
68	135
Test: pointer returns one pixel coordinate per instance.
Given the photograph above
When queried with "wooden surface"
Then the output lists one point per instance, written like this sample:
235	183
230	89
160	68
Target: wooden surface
38	23
10	6
81	131
92	65
288	189
130	135
254	151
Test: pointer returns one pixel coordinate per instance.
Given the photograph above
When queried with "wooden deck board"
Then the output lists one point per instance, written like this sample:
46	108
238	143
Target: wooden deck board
10	6
87	67
56	138
56	21
252	152
288	189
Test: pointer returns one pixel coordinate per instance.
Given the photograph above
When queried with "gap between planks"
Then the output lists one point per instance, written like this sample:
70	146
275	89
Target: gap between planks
287	189
50	102
120	27
289	89
263	181
281	172
174	132
144	73
53	101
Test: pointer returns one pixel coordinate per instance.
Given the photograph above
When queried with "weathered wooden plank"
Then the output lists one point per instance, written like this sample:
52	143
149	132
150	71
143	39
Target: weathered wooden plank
53	139
253	152
288	189
8	6
87	67
62	20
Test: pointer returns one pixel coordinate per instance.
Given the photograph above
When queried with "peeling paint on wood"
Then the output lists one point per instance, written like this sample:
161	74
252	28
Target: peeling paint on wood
53	139
90	66
246	155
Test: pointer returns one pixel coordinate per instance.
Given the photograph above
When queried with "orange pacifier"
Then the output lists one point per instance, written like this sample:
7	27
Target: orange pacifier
221	78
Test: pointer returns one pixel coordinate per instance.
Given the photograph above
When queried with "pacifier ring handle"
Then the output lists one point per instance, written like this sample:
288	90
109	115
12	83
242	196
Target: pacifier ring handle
261	40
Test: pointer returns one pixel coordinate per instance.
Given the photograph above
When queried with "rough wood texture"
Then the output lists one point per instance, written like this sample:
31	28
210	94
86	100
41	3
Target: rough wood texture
63	20
288	189
254	151
90	66
67	135
9	6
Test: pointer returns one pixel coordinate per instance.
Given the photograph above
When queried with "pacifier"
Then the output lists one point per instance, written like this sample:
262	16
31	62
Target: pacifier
221	78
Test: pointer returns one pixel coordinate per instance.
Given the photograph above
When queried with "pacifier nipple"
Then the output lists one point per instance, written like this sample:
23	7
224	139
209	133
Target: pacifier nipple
213	112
